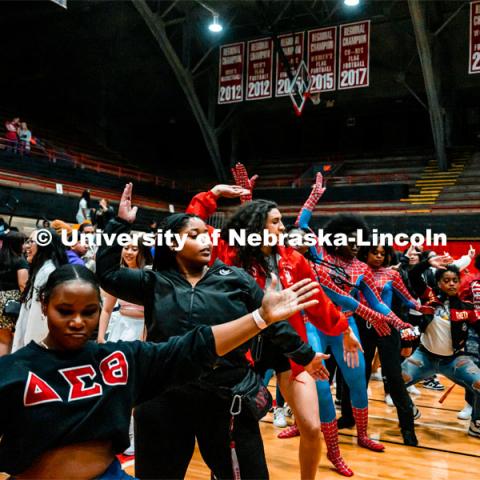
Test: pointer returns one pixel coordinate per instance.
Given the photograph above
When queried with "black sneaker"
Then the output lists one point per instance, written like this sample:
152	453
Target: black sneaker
409	438
433	384
344	422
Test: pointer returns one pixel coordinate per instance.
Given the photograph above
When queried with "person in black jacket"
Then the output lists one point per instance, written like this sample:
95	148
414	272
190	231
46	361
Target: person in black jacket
180	293
444	332
65	402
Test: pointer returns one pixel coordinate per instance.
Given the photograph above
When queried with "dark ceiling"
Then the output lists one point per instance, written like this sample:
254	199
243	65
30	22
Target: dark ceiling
96	71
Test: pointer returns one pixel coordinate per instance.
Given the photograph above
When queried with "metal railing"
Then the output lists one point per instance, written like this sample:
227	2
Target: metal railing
45	150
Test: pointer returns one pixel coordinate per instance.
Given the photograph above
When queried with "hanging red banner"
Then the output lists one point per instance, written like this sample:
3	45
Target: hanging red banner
354	56
474	59
321	59
230	73
292	46
259	69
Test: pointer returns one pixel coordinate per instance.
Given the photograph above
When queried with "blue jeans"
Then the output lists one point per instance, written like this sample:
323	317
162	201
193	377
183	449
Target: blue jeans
115	472
460	369
354	377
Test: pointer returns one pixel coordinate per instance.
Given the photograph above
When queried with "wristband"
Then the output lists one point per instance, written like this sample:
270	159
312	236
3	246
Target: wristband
257	318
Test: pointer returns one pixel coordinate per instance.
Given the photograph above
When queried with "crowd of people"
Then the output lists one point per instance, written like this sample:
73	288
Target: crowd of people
166	346
18	136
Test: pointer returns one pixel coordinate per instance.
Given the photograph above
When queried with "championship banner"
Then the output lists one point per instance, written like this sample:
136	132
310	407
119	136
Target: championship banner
259	69
292	46
354	55
474	59
321	59
230	73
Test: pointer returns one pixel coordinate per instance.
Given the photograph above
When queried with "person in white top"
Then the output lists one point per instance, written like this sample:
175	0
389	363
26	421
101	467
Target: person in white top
43	260
84	211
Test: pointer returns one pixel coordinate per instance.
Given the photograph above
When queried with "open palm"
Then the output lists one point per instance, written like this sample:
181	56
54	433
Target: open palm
125	209
281	305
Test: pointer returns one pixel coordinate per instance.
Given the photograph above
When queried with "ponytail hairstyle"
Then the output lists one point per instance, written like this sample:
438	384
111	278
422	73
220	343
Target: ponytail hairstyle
251	217
165	258
67	273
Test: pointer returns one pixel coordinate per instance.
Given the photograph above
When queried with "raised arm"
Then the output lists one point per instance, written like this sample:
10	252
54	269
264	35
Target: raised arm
132	285
204	204
317	192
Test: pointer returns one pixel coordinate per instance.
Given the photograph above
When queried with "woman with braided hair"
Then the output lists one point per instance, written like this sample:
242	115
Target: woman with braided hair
256	217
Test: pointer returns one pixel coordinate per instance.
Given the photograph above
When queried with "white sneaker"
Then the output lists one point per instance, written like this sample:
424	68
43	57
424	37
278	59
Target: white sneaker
466	413
413	390
377	375
388	400
279	418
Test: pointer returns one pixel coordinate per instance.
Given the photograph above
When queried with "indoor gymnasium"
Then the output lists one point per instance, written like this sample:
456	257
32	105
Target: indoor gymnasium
240	239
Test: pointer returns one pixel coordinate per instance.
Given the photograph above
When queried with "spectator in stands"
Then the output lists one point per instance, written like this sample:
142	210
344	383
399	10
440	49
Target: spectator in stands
13	278
25	138
43	260
45	223
11	127
89	256
104	214
153	225
84	210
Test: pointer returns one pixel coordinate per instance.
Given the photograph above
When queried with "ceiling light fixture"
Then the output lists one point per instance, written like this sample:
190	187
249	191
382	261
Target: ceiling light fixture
215	26
351	3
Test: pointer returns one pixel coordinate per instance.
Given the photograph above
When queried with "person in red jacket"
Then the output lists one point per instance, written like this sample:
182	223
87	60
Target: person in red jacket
289	266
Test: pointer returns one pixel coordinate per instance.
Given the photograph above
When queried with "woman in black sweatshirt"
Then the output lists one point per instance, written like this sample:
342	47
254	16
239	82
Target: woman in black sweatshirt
180	293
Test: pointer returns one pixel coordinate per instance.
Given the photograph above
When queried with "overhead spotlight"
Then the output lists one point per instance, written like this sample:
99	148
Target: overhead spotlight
215	26
351	3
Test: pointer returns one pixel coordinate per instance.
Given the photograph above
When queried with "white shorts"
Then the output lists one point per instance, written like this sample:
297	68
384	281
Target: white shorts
124	328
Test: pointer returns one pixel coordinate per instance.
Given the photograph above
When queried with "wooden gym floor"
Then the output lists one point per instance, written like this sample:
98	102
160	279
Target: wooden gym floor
445	451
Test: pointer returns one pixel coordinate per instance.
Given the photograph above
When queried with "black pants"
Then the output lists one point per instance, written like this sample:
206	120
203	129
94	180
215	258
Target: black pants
166	429
389	353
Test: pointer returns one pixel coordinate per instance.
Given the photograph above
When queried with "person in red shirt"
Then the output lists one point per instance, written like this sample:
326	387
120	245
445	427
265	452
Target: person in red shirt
299	390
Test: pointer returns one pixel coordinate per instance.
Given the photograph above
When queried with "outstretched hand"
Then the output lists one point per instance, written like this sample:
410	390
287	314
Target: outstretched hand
440	261
351	346
280	305
125	209
229	191
316	368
